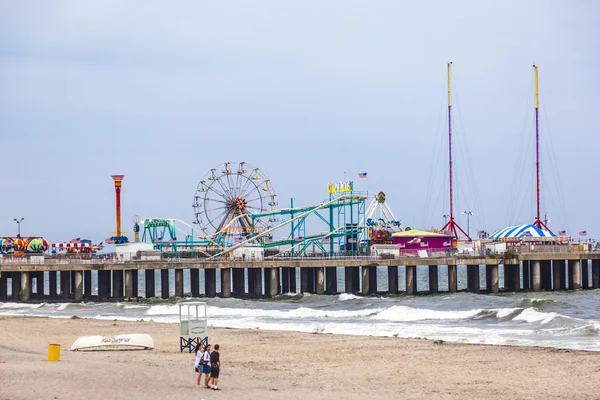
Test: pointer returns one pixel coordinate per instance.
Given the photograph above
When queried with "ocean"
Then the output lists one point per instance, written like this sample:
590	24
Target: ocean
565	320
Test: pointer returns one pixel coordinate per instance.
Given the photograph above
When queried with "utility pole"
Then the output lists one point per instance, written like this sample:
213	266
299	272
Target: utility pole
18	221
468	214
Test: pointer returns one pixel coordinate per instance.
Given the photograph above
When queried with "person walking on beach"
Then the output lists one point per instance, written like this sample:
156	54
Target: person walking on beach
215	368
206	366
199	352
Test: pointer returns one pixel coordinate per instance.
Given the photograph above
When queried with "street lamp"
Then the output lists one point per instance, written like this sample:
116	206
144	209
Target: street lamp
18	221
445	216
468	214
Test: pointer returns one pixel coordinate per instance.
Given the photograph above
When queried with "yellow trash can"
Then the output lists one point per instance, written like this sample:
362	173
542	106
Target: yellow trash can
54	352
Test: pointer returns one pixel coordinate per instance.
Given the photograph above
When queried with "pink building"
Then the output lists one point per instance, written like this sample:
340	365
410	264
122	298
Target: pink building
414	240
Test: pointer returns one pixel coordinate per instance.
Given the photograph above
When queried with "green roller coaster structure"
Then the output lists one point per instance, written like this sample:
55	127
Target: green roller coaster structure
342	216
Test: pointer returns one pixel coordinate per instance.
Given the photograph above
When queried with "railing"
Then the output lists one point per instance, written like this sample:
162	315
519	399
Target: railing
169	258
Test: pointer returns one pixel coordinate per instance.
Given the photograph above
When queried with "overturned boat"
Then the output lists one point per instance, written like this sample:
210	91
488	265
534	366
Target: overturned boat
133	341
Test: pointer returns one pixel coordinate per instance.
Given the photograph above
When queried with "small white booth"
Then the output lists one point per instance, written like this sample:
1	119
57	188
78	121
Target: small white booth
193	325
248	253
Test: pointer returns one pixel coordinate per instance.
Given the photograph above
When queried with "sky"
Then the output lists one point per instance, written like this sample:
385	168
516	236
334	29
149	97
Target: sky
310	92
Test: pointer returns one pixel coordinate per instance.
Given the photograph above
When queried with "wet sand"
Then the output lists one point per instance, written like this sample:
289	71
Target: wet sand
282	365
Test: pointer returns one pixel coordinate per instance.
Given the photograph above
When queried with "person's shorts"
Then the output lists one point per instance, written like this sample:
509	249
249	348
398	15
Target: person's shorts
214	372
206	369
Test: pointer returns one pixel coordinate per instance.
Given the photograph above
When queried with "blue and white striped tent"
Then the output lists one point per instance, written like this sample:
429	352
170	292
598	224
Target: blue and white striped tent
521	231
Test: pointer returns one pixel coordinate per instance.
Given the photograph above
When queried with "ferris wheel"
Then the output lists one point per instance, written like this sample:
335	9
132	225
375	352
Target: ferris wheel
226	198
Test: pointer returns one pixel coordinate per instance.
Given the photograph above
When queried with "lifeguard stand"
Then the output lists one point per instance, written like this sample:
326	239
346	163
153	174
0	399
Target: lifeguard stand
193	327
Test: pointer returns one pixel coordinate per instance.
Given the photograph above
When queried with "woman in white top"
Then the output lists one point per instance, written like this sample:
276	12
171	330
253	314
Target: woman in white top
199	352
206	366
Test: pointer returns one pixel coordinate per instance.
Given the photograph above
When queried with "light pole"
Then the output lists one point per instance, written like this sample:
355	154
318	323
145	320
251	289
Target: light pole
445	218
18	221
468	214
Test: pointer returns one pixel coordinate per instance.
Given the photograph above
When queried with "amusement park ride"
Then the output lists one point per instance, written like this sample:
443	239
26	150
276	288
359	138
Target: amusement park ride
18	246
381	229
235	206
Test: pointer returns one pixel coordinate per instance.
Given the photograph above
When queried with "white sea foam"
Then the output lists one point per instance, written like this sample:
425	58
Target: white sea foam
404	313
532	315
348	296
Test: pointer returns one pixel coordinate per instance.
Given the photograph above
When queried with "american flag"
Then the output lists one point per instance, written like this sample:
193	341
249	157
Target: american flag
268	239
299	239
351	240
362	174
583	233
237	239
75	240
158	240
562	233
526	234
480	233
172	240
109	241
325	240
447	243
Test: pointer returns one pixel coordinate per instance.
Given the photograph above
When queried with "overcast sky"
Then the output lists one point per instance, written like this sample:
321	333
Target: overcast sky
306	90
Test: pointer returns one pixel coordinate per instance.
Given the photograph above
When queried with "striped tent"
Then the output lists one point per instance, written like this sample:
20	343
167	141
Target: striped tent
520	232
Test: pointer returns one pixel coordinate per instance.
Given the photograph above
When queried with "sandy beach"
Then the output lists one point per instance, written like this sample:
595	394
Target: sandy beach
282	365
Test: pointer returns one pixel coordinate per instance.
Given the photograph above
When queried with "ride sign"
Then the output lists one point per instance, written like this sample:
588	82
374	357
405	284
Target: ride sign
340	187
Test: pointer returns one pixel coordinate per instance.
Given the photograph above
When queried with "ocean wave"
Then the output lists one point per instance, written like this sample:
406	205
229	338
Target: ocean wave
532	315
348	296
408	314
538	303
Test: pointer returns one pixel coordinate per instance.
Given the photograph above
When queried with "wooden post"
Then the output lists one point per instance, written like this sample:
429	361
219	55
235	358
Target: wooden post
585	277
526	275
575	274
39	285
595	274
393	279
150	283
556	275
65	284
128	283
210	282
304	280
117	283
285	280
164	283
331	280
320	279
473	278
78	285
536	283
452	279
25	286
365	281
372	280
225	282
433	279
274	281
492	271
293	280
16	286
411	280
3	286
87	284
349	278
179	283
52	285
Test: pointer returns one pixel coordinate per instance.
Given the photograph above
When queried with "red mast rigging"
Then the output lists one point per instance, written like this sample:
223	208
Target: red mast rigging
538	221
451	225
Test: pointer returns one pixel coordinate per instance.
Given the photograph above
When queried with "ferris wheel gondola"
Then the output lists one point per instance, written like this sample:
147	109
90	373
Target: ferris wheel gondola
228	196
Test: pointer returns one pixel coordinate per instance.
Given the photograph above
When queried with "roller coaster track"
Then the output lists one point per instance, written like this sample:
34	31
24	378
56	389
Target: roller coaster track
304	212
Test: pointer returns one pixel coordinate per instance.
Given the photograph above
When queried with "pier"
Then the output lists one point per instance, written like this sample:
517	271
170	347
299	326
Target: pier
73	280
